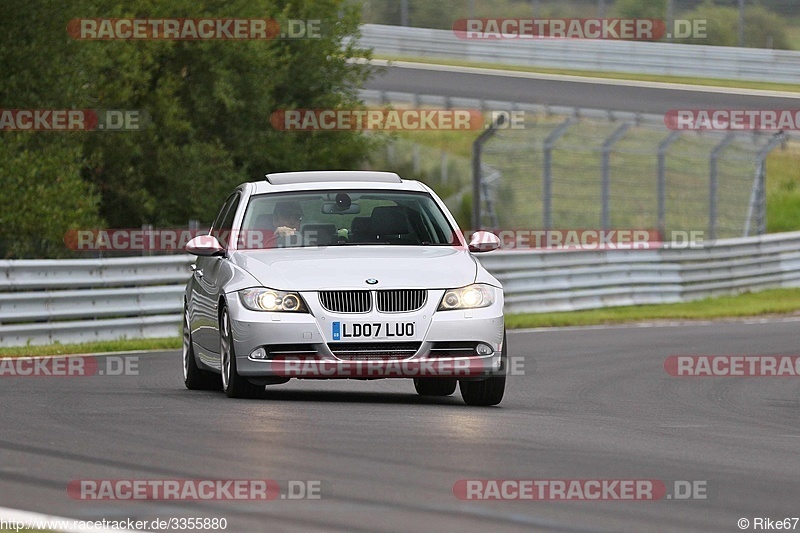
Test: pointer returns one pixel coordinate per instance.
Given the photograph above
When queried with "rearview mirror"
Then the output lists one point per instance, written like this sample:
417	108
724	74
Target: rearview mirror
332	208
205	245
484	241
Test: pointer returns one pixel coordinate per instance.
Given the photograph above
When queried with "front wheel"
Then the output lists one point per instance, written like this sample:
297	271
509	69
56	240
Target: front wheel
483	393
234	385
193	377
488	391
435	386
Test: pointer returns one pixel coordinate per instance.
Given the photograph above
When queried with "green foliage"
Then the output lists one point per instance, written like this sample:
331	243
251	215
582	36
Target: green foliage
646	9
42	196
763	28
209	106
783	189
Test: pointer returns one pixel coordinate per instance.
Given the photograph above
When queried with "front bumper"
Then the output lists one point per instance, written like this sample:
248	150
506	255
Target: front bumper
301	345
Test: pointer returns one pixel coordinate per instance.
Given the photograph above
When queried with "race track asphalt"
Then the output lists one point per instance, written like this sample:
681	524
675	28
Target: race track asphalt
569	91
592	404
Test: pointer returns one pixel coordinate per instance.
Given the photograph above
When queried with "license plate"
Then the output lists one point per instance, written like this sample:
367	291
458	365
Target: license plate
372	330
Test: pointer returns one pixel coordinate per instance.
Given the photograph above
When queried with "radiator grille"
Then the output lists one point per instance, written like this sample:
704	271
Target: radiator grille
401	300
346	301
388	301
374	350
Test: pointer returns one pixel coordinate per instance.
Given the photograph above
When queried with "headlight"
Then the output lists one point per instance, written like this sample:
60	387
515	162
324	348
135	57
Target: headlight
271	300
469	297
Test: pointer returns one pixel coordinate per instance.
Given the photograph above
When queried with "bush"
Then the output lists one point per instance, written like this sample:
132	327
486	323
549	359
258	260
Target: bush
209	105
763	28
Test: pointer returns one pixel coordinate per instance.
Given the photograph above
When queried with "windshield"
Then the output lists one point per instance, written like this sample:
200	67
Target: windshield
347	217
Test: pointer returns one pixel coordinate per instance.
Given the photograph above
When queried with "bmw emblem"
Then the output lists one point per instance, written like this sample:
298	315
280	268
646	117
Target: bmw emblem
372	281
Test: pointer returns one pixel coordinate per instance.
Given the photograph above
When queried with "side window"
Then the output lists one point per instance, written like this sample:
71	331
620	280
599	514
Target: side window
224	223
218	221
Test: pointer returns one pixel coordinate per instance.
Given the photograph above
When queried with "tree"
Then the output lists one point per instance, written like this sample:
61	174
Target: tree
763	29
209	105
42	194
641	9
212	101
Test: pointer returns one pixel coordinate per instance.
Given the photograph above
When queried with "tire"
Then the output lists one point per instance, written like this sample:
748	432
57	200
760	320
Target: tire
435	386
193	377
234	385
488	391
483	393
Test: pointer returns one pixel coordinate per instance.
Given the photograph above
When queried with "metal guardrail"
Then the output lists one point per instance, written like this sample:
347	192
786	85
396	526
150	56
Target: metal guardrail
75	301
754	64
568	281
85	300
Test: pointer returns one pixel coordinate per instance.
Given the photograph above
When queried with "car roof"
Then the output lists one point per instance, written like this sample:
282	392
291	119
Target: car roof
340	179
286	178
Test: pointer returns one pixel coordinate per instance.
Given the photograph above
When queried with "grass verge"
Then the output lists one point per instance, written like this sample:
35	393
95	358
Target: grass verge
706	82
765	303
123	345
783	189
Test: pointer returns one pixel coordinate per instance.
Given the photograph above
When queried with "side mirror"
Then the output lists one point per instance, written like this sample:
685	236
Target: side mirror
484	241
205	245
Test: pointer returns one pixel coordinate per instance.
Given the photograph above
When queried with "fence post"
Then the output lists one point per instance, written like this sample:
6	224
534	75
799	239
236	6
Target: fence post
662	180
147	231
712	184
606	192
477	178
547	170
670	19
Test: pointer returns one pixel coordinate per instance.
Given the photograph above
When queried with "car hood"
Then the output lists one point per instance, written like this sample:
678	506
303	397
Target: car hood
348	267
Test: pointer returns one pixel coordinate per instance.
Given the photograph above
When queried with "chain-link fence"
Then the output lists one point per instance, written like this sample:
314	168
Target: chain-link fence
582	170
571	168
449	174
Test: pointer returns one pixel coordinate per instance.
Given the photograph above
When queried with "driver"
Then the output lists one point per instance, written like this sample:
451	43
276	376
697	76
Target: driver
287	218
